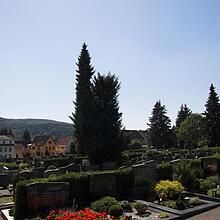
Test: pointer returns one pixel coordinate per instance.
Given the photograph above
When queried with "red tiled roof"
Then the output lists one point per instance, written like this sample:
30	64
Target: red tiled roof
63	140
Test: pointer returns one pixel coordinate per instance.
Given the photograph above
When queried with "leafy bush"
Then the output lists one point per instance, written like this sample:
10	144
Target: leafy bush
214	192
58	162
51	167
168	190
23	166
185	173
164	171
103	205
209	183
10	166
140	207
115	210
195	201
170	204
164	215
123	182
126	206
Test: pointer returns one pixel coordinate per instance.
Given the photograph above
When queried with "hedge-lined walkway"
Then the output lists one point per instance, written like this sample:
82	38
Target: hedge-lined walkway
213	214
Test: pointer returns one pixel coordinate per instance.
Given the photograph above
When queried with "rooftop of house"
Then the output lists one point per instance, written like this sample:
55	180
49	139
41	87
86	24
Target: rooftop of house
64	140
41	140
4	137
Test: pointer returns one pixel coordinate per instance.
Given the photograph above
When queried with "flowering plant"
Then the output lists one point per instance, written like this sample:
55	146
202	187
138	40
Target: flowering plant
88	214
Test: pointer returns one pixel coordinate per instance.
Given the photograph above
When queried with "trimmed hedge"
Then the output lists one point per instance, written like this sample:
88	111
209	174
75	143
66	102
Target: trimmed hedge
123	182
58	162
164	171
10	166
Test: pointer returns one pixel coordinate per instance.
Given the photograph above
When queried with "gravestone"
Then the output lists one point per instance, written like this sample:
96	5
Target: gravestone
5	180
109	166
144	173
144	176
26	174
103	184
43	196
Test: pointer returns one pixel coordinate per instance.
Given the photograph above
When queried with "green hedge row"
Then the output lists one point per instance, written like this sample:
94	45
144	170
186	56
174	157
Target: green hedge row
58	162
10	166
79	189
164	171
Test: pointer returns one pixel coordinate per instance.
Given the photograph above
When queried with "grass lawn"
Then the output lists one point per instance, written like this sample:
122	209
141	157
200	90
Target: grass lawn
6	199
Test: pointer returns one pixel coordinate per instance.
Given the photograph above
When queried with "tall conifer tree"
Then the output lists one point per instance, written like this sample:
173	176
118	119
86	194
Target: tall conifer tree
183	113
159	127
82	117
212	118
108	124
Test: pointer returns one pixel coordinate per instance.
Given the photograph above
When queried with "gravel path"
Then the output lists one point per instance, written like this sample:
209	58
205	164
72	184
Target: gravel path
213	214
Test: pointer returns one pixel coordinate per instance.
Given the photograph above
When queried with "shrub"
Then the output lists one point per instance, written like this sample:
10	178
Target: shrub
140	207
185	173
103	205
123	182
195	201
170	204
115	210
58	162
164	215
51	167
164	171
168	190
126	206
209	183
214	192
10	166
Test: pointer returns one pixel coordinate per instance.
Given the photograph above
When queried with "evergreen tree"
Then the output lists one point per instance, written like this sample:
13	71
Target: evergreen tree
82	117
182	115
4	131
159	127
212	117
109	141
10	133
26	136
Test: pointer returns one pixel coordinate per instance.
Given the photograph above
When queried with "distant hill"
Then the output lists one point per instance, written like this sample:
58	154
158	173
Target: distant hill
37	127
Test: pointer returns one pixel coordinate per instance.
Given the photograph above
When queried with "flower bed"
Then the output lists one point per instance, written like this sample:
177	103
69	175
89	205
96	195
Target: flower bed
80	215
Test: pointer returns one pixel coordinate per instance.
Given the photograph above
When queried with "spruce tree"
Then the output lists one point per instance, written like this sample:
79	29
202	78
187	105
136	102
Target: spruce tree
212	118
82	117
109	141
4	131
182	115
10	133
26	136
159	127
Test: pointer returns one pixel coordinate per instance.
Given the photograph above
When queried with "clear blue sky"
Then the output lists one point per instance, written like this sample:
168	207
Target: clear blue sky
159	49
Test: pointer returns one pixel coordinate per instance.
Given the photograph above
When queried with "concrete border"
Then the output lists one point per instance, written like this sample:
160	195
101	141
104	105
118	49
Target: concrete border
187	212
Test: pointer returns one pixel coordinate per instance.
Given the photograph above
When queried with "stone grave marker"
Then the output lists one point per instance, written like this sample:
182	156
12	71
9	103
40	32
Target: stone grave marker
103	184
109	166
144	173
43	196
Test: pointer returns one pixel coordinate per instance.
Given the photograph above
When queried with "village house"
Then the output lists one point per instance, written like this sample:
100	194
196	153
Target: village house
42	146
7	145
63	144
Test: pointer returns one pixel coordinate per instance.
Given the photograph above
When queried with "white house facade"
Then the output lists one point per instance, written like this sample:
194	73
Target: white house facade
7	146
